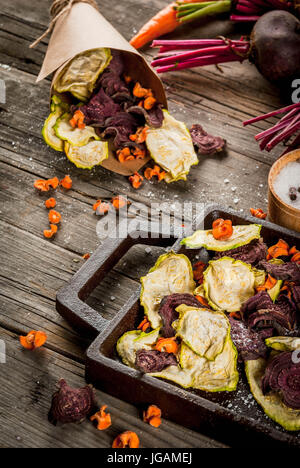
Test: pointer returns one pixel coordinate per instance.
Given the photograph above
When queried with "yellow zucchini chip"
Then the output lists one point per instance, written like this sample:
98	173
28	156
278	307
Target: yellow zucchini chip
88	156
203	330
74	136
283	343
49	134
242	235
220	375
171	274
133	341
229	283
271	403
58	108
80	75
172	148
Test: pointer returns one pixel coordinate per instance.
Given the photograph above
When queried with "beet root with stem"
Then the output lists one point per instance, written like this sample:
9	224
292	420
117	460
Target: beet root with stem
274	47
275	42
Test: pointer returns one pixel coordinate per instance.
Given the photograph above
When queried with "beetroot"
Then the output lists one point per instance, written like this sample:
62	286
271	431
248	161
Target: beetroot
71	405
274	48
282	375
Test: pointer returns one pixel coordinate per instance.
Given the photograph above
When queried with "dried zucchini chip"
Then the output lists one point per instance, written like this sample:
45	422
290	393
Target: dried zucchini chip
132	341
204	331
271	403
80	75
197	372
58	108
229	283
171	274
74	136
283	343
88	156
242	235
172	148
219	375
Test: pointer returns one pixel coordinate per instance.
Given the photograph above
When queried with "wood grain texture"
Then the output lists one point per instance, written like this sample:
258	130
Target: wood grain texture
33	269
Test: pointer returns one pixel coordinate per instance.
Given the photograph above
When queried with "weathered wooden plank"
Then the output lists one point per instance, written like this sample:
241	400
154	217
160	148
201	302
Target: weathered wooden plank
27	382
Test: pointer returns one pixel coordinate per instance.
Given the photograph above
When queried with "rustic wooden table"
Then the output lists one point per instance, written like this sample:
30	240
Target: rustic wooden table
33	269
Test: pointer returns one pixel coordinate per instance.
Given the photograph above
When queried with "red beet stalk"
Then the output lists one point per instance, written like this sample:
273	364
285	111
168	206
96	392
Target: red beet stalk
283	131
201	53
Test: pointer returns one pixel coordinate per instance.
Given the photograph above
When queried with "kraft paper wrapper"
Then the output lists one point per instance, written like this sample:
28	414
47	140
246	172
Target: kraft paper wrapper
84	28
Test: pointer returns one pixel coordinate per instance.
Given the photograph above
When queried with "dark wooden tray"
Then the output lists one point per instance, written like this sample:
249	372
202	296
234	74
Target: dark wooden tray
232	417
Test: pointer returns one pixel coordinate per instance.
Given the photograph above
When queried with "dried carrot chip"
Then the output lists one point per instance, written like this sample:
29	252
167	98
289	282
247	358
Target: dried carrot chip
103	419
128	439
281	249
34	339
102	208
152	416
222	229
54	183
66	182
41	185
140	136
50	203
203	301
149	103
49	233
144	325
78	120
140	92
269	284
198	270
54	217
156	171
167	345
136	180
125	155
119	202
258	213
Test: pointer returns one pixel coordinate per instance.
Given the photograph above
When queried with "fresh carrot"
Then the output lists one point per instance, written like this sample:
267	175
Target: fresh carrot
164	22
103	419
34	339
167	345
152	416
127	439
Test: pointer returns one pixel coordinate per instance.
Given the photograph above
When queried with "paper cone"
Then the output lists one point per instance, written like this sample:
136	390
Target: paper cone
84	28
